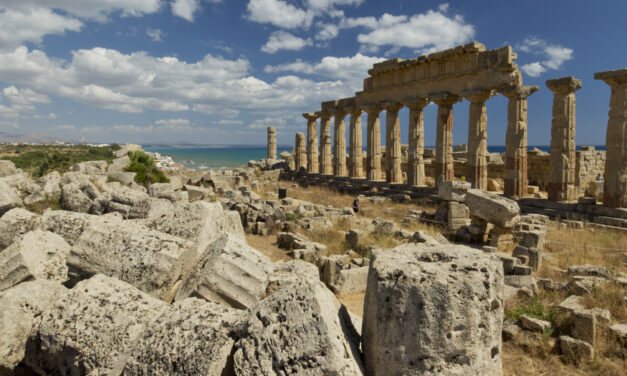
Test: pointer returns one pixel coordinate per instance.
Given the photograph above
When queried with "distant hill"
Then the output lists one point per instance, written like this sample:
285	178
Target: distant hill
38	137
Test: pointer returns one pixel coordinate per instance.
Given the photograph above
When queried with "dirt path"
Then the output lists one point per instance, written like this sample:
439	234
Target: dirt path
267	246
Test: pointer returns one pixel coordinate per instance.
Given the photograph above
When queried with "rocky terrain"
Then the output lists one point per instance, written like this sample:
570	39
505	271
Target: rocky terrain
117	278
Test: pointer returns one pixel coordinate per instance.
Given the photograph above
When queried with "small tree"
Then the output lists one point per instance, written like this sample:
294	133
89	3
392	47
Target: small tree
145	169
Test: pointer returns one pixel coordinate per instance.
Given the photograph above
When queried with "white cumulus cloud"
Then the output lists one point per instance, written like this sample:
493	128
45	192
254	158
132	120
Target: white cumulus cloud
553	56
185	8
155	34
281	40
278	13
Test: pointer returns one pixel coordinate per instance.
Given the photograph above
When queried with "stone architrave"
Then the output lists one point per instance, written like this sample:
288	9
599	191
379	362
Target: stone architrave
516	140
271	143
477	160
300	159
561	185
444	167
339	148
394	173
325	145
416	168
356	161
312	142
615	187
374	144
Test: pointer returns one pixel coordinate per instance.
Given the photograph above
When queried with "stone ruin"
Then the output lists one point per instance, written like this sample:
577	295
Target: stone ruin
473	73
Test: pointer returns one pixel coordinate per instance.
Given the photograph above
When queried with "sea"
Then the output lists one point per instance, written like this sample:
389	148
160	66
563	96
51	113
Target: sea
213	158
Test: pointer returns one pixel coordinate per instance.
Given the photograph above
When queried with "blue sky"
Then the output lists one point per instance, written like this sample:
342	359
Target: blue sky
220	71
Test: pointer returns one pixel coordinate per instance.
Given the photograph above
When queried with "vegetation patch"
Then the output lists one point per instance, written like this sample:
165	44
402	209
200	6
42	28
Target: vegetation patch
145	169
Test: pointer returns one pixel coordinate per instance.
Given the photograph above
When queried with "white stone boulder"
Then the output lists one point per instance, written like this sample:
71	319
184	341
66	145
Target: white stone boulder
195	193
70	225
190	337
74	199
9	198
432	311
37	255
119	164
299	330
50	184
492	208
91	329
201	222
90	167
351	281
14	224
19	306
149	260
166	191
7	168
453	190
289	272
230	272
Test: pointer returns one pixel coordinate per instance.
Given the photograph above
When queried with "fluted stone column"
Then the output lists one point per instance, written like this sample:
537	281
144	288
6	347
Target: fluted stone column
615	185
393	154
325	145
300	155
477	159
339	147
356	161
516	140
373	148
444	167
312	142
416	168
561	185
271	143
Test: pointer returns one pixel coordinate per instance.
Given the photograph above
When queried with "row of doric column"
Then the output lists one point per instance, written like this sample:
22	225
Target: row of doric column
325	164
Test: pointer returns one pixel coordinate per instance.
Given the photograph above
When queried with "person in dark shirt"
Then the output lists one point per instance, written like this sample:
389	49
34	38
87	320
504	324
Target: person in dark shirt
356	206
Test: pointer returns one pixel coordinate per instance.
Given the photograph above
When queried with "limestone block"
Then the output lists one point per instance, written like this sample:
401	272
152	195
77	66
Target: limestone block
620	332
116	207
147	259
164	190
90	167
150	208
299	330
125	149
534	256
230	272
576	349
494	185
521	282
492	208
290	272
589	271
197	193
19	306
453	190
422	316
37	255
91	329
9	198
14	224
458	215
7	168
70	225
128	196
533	239
351	281
50	185
74	199
191	337
533	324
201	222
119	164
124	177
383	227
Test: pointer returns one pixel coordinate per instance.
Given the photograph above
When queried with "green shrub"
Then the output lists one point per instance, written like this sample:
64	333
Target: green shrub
145	169
115	147
536	309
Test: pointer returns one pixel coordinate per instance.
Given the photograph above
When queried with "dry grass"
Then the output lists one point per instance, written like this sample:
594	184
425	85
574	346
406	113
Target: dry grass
589	246
610	296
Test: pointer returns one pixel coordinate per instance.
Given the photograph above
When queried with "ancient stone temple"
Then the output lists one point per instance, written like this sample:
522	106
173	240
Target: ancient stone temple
562	180
300	154
615	187
271	143
312	142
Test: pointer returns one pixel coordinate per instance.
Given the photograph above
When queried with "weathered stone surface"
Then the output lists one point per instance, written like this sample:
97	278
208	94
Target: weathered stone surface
147	259
373	146
534	324
590	271
14	224
167	191
9	198
201	222
271	143
150	208
70	225
74	199
19	305
90	167
492	208
576	349
290	272
119	164
422	316
37	255
92	328
124	177
190	337
351	281
299	330
50	185
453	190
195	193
312	142
300	154
534	256
7	168
230	272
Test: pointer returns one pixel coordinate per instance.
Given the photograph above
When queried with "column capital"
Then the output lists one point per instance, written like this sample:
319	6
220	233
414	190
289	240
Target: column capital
326	115
518	92
339	113
416	103
371	108
311	116
613	78
479	96
564	85
354	110
444	98
391	106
